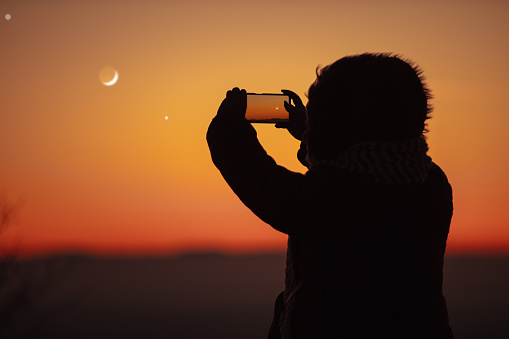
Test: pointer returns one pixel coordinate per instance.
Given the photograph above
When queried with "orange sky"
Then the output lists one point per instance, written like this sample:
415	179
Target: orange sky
262	107
99	169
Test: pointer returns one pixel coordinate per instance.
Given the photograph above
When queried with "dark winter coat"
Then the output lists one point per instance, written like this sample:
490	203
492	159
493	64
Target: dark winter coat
364	260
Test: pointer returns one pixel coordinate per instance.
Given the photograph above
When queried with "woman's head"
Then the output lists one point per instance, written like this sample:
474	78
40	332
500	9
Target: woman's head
365	97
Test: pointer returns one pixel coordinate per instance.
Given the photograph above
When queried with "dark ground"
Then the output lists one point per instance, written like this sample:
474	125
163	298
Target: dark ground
218	296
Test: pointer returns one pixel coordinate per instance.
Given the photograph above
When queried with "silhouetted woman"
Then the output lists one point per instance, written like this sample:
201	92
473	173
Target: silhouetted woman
367	224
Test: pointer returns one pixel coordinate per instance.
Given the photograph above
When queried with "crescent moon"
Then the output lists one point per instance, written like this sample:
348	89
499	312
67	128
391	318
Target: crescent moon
112	81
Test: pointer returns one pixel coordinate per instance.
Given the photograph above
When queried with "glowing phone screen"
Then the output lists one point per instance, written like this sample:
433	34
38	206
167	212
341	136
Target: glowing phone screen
268	108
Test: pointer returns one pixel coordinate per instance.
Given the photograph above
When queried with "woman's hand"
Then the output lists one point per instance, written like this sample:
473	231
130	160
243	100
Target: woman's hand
234	105
297	116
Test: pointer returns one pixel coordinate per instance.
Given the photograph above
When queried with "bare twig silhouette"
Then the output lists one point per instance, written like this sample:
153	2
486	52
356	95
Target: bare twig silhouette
22	286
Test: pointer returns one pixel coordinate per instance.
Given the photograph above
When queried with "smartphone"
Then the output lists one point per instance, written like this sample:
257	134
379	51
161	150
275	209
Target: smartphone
267	107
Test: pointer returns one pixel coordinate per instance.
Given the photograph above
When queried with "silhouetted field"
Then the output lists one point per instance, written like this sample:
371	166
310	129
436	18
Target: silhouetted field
221	296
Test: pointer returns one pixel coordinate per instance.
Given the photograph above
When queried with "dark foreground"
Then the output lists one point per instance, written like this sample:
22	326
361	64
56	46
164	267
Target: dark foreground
212	296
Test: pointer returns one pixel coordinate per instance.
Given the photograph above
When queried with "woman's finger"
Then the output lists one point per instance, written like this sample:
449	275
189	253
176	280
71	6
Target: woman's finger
292	95
289	108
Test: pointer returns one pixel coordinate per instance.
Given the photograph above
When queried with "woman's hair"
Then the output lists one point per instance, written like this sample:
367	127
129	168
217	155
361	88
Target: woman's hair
365	97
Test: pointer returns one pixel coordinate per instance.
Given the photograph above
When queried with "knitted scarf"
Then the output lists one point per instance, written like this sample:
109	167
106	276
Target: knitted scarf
386	162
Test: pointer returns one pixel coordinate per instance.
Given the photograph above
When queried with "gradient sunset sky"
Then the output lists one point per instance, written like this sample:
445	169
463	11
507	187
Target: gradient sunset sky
126	169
